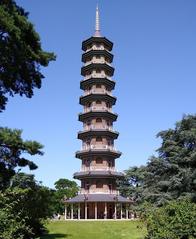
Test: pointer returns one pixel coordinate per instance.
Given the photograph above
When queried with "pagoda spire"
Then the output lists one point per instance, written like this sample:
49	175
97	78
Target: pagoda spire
97	23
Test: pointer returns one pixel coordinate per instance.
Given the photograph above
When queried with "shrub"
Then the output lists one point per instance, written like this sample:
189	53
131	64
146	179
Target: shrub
176	220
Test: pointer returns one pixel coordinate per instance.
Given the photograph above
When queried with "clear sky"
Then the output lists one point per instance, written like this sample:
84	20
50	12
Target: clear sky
155	61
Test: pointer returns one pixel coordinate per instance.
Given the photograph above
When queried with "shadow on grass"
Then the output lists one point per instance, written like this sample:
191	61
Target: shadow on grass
56	236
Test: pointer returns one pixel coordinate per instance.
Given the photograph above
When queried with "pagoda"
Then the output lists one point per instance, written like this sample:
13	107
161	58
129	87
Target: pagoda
99	197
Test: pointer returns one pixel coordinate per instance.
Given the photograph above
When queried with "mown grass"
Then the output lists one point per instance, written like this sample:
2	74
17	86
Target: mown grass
95	230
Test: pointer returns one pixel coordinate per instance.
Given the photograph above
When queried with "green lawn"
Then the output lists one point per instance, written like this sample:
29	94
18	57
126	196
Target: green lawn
95	230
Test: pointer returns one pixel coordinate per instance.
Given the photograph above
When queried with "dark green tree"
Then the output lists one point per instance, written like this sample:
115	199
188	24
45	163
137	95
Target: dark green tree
132	184
65	189
172	174
21	54
23	207
12	154
175	220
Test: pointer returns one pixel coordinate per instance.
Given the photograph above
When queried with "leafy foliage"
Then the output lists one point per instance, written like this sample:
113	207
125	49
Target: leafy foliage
12	154
13	217
172	174
173	221
65	189
132	185
21	55
23	207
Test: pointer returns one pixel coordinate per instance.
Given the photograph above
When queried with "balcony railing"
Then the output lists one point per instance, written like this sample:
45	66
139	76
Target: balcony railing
104	191
96	48
96	91
94	168
98	127
99	146
89	127
95	75
96	62
96	108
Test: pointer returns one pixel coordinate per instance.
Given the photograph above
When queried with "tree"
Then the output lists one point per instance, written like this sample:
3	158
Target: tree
65	188
12	154
172	174
23	207
21	54
132	184
176	220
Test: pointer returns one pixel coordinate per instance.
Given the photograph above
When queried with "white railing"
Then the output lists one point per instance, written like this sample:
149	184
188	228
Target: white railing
96	48
96	108
96	91
95	168
98	146
95	75
98	127
85	191
96	61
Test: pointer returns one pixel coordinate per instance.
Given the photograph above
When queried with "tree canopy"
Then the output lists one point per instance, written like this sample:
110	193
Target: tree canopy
24	202
176	220
65	189
23	206
21	54
170	175
13	151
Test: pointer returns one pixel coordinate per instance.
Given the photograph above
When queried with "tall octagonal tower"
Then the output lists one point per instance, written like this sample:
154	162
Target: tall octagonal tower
99	197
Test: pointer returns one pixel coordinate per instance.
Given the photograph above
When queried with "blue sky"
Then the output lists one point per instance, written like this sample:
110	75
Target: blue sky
154	57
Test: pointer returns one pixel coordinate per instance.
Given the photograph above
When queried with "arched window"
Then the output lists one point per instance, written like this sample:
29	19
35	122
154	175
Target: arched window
88	122
98	139
82	184
99	184
99	160
110	163
88	142
98	85
87	185
98	102
98	120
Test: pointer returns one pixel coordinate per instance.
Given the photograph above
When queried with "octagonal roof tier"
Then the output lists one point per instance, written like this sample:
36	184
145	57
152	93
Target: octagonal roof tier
96	114
86	153
98	198
97	66
98	174
98	132
91	53
94	97
97	40
84	84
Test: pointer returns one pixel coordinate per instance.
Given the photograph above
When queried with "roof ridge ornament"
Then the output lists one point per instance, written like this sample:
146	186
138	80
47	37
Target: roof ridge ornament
97	23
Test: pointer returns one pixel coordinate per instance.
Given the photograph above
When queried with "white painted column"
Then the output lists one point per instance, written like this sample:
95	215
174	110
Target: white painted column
72	211
121	211
106	211
65	211
85	210
78	211
95	210
127	212
115	211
